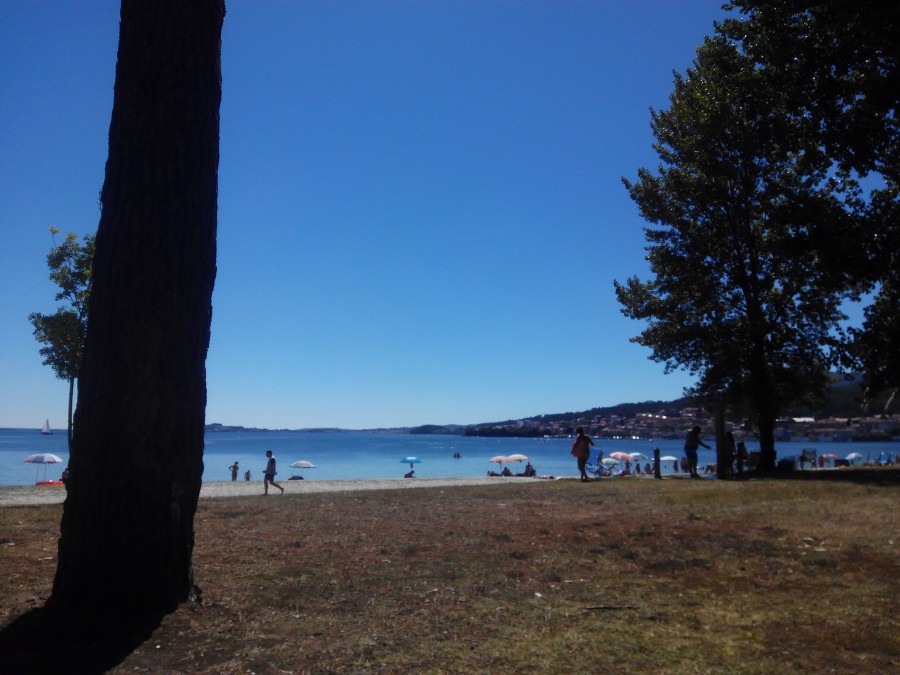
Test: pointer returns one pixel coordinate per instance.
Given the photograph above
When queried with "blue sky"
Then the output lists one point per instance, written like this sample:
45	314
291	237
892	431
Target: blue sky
420	202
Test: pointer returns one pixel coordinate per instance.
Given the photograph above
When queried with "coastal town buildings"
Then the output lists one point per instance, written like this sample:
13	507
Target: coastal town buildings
673	424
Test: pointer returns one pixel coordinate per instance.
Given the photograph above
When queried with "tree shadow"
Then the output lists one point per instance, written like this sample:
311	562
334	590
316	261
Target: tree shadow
885	476
59	639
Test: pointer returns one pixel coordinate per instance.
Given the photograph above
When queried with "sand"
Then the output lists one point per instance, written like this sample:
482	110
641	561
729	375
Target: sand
33	495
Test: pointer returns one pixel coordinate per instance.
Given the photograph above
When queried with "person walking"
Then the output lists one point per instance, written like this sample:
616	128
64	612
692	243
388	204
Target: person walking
581	450
270	474
691	443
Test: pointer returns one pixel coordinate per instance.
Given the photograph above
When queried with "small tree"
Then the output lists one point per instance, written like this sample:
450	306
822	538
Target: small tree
62	333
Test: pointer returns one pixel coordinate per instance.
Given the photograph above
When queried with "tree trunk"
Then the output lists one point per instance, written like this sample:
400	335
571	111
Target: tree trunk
69	418
722	452
766	426
137	457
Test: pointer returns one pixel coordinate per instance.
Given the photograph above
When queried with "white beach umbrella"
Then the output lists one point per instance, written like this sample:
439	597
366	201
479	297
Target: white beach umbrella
303	464
44	458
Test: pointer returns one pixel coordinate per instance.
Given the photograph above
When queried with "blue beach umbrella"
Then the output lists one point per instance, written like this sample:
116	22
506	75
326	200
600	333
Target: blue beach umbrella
411	460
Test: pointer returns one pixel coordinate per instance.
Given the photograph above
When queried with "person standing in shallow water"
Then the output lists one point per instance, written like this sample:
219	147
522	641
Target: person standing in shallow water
581	449
270	474
691	443
234	471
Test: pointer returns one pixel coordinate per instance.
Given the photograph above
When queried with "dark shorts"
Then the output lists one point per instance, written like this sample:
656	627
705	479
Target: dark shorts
691	453
270	477
582	462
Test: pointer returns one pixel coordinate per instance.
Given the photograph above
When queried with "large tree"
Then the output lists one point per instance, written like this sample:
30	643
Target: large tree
127	527
836	63
738	296
62	333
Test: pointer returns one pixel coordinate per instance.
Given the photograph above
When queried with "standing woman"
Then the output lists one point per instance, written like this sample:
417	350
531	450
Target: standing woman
581	449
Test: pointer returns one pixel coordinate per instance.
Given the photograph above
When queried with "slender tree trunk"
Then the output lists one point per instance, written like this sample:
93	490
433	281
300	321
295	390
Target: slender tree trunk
766	426
721	445
69	419
137	457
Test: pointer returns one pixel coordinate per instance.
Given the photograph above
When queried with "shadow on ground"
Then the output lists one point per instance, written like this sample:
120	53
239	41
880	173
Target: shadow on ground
62	640
887	475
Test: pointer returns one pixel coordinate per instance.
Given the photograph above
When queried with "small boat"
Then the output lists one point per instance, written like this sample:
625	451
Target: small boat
53	483
46	428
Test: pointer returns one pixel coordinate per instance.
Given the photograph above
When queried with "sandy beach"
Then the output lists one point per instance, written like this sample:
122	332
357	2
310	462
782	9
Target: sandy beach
31	495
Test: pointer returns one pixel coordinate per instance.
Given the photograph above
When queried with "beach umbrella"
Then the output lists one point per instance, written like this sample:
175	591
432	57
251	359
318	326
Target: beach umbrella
303	464
609	461
668	458
517	458
637	455
44	458
499	459
853	455
411	460
622	456
830	455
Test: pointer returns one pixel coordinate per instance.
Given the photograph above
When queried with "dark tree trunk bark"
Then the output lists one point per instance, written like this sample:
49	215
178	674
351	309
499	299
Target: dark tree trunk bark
722	453
69	418
766	427
127	529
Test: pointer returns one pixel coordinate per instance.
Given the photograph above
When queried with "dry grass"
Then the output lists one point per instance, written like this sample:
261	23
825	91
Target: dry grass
611	576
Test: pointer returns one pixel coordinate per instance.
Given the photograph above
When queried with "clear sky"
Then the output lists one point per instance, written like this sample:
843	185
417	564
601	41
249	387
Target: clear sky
421	211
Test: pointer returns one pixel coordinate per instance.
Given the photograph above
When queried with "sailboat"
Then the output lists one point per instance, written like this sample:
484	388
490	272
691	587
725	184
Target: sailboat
46	428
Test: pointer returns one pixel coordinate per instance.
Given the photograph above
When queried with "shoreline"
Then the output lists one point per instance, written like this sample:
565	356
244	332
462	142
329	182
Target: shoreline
32	495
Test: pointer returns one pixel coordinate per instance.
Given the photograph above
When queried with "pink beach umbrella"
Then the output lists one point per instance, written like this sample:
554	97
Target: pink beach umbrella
44	458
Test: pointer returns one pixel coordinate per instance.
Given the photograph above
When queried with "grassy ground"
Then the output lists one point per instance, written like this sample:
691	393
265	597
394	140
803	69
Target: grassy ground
612	576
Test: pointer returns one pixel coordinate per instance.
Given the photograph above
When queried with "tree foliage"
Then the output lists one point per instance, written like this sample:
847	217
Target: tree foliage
738	297
837	64
62	333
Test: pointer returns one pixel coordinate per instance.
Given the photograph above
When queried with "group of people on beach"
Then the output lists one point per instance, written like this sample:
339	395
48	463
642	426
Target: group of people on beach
529	472
234	472
581	450
268	474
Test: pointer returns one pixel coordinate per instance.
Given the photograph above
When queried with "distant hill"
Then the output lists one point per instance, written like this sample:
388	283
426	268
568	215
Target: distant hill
844	399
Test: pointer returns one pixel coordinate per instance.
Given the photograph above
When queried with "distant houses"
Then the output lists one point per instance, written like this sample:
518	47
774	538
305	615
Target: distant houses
671	424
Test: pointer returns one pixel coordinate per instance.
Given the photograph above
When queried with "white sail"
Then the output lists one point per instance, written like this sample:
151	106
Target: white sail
46	427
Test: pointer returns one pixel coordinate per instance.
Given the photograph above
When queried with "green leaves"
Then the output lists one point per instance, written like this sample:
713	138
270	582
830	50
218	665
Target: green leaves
738	295
62	333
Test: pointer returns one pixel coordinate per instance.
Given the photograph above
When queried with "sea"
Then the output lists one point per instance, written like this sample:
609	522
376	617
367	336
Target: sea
349	455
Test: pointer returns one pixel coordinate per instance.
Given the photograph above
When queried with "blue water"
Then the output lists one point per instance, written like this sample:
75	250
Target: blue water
352	455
